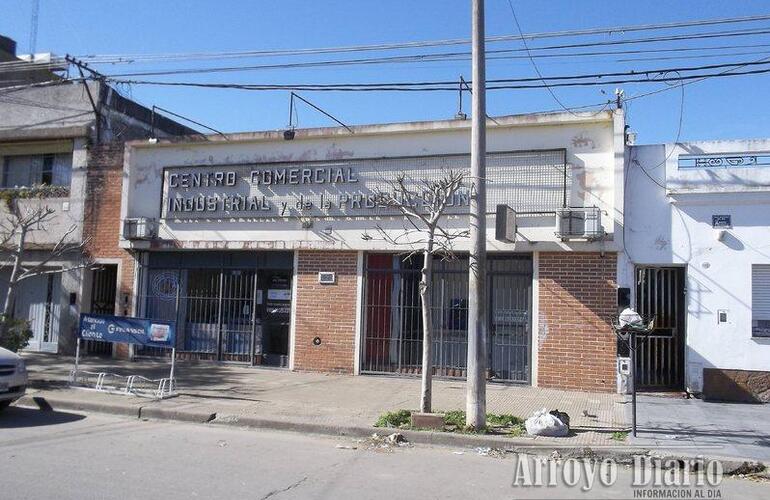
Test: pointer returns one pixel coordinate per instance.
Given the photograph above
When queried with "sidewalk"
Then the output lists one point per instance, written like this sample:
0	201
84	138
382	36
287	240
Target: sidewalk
325	402
731	429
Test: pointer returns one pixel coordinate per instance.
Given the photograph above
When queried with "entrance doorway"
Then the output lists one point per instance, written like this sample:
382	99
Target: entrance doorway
37	300
276	289
104	282
660	293
228	306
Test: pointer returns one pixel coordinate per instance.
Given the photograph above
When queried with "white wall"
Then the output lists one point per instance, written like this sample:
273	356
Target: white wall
673	227
591	144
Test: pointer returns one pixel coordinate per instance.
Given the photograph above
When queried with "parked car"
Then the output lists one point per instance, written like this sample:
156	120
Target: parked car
13	377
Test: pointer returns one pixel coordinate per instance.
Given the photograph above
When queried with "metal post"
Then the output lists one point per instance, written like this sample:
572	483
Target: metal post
173	365
476	403
252	358
632	352
77	361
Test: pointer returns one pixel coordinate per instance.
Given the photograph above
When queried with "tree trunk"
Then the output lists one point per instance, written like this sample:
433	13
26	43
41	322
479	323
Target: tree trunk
17	259
427	328
8	304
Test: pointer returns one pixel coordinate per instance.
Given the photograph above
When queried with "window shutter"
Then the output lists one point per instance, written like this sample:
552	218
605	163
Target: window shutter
760	291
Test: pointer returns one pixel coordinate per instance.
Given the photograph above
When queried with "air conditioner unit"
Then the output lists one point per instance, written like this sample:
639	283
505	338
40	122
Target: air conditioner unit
140	228
579	223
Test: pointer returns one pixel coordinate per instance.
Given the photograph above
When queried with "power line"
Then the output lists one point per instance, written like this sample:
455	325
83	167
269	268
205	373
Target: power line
561	80
464	55
445	58
254	87
534	64
57	62
131	58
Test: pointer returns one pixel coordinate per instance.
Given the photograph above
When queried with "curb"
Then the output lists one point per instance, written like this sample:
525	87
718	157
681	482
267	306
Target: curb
54	404
180	415
293	426
621	454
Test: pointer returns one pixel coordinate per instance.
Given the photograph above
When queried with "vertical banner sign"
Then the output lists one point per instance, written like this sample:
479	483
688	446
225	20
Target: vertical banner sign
127	330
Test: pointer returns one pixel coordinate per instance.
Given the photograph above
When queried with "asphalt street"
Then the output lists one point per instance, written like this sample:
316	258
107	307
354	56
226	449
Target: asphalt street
57	455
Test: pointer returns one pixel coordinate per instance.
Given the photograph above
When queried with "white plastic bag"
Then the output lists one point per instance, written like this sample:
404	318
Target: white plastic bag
543	423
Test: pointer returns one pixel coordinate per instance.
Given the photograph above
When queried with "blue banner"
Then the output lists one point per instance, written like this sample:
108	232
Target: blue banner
127	330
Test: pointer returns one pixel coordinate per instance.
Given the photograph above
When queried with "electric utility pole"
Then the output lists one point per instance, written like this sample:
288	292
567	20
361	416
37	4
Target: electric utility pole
476	404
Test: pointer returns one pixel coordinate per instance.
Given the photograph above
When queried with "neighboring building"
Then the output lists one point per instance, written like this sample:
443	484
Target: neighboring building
253	244
56	135
698	243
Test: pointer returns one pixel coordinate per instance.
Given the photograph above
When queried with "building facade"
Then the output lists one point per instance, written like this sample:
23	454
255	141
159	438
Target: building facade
61	148
260	246
697	259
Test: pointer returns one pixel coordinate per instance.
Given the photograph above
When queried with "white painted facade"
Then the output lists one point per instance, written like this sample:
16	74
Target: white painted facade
594	155
669	223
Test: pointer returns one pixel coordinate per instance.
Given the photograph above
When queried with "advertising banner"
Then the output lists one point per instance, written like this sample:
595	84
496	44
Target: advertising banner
127	330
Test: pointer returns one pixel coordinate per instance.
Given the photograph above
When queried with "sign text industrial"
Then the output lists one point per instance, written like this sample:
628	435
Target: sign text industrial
348	188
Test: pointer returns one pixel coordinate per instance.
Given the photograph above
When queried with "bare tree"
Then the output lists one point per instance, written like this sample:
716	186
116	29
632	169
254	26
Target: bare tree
424	205
15	229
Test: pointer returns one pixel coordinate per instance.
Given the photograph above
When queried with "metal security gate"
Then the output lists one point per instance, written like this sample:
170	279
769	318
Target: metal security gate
103	289
392	337
222	314
510	294
660	292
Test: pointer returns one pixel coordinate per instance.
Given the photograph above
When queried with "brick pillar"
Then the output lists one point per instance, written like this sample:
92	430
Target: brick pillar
578	297
325	311
102	219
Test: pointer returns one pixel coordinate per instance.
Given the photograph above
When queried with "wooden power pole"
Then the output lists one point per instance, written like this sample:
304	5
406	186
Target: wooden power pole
476	403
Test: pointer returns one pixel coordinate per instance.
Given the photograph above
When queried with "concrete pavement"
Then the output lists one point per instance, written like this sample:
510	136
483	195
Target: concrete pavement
346	405
258	396
64	455
732	429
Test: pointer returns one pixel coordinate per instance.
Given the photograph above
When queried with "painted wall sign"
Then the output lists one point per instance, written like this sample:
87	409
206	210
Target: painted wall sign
351	187
127	330
724	160
723	221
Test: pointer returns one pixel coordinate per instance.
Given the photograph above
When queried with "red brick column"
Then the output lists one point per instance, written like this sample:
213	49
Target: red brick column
325	311
578	296
102	216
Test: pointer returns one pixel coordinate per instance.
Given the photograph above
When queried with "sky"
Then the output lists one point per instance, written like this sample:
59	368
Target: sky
724	108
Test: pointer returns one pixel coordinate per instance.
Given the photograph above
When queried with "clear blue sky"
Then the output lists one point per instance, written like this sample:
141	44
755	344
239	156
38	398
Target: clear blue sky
719	108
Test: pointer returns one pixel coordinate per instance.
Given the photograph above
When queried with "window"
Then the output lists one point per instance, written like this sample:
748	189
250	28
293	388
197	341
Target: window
34	170
760	300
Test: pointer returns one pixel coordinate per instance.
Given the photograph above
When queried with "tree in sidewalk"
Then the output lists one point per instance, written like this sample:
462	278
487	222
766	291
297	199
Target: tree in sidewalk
20	221
424	205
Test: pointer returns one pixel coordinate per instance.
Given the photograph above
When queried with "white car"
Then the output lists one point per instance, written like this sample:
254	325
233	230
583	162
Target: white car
13	377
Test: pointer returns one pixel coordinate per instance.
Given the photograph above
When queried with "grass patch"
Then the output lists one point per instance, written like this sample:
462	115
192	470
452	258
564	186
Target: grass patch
454	421
619	435
398	418
455	418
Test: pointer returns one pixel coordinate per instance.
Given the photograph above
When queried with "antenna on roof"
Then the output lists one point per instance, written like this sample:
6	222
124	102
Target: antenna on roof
33	29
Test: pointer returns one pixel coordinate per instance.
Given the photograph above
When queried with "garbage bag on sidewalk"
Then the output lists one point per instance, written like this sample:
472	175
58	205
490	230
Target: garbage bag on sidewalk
543	423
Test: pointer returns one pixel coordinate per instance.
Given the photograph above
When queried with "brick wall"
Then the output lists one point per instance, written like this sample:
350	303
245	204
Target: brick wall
325	311
578	297
102	214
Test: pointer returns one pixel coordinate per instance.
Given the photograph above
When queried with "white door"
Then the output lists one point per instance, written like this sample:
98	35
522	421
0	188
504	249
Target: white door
38	301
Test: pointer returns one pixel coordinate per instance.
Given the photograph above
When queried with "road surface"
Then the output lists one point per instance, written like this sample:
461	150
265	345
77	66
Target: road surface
56	455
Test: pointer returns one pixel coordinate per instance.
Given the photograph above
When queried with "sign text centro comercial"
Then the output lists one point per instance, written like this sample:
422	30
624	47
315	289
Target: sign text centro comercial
127	330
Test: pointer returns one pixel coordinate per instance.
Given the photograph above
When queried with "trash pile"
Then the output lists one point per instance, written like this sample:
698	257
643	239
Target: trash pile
376	442
544	423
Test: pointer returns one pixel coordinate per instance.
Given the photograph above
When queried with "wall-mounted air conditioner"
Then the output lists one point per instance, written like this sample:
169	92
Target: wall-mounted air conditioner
579	223
140	228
